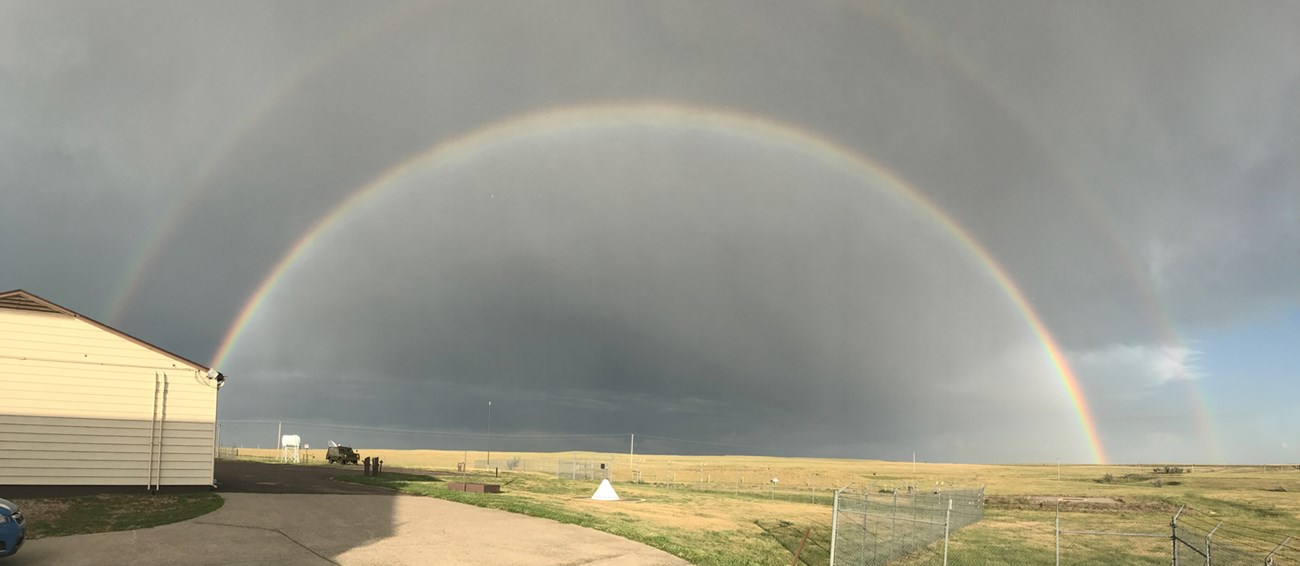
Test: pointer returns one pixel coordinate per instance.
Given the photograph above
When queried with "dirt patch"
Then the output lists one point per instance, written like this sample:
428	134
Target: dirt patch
1077	500
46	509
1076	504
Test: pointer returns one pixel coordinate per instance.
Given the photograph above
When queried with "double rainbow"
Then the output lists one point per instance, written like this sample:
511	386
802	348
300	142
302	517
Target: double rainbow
653	114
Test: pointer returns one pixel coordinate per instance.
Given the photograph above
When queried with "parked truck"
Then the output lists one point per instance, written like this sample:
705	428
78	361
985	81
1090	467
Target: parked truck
340	454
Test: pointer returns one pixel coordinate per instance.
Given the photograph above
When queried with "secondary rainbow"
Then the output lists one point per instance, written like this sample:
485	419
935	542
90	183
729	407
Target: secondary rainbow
145	260
654	114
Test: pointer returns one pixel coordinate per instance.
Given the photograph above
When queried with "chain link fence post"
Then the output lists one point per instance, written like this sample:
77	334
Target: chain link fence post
1173	532
1058	531
1268	560
1208	561
947	520
835	522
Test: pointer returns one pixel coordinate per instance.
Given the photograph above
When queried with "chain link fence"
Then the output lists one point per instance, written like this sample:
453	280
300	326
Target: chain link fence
562	468
892	525
1189	538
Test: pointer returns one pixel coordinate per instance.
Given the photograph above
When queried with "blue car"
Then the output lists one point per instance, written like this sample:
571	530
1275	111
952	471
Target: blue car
12	528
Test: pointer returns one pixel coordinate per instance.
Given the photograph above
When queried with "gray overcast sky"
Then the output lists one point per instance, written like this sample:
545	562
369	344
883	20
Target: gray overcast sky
1135	168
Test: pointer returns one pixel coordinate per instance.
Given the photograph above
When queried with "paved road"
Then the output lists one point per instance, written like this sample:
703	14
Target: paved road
256	477
287	529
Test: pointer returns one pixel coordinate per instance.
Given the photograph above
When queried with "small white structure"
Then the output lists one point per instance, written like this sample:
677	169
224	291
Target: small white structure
605	492
289	445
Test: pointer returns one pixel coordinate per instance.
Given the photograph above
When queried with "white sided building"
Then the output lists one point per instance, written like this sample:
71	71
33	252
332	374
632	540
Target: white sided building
82	404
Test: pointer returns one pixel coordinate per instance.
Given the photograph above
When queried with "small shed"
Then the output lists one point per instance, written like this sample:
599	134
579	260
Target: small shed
83	404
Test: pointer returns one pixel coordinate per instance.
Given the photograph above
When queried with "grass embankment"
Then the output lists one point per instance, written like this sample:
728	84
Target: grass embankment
703	528
55	517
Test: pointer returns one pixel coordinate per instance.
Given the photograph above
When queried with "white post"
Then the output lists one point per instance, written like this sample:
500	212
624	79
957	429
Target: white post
1173	532
1207	543
1058	532
893	525
947	519
835	522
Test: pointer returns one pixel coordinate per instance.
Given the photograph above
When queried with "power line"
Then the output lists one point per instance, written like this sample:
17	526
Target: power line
703	442
429	432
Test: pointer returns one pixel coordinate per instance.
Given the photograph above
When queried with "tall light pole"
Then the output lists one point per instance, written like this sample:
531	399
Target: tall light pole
489	436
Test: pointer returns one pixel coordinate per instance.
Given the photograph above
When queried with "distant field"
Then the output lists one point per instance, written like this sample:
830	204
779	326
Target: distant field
724	509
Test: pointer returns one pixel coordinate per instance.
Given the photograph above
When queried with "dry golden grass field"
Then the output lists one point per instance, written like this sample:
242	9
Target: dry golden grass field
725	509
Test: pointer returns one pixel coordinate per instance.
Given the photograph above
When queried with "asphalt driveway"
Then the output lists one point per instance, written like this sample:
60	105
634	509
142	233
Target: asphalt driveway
255	477
302	525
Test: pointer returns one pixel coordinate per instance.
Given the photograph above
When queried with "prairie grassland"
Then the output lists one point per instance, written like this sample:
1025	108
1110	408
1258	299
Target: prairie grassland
724	510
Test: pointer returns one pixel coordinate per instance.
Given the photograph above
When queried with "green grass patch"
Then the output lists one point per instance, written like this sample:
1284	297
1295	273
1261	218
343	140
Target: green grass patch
56	517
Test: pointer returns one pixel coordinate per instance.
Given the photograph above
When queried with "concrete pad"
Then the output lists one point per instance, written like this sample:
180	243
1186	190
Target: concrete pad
433	531
293	529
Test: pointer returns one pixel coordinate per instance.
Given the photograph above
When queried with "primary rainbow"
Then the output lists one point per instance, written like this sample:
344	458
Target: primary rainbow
655	114
1088	203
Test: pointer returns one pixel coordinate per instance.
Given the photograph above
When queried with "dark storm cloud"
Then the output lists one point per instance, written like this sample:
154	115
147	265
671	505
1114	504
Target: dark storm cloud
1126	164
660	278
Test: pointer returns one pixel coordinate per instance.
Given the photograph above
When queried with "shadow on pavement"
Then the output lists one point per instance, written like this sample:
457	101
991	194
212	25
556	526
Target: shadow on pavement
273	514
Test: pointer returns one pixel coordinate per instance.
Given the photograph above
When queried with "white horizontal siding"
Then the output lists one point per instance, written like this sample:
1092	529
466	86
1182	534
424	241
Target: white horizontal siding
79	402
66	338
45	451
58	365
48	433
103	481
66	441
77	424
21	457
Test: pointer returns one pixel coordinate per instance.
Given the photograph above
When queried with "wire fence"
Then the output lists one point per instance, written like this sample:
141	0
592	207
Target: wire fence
563	468
808	544
1191	537
892	525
